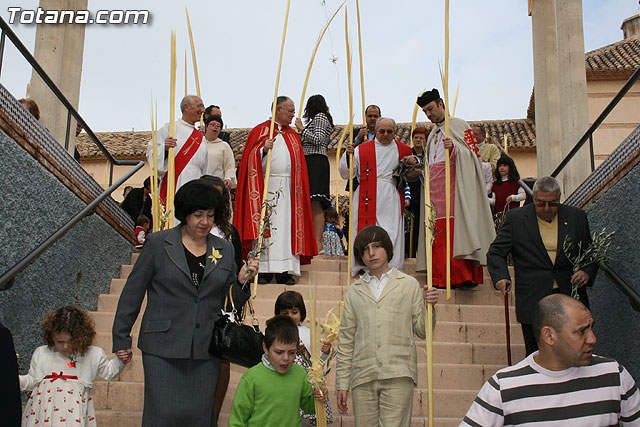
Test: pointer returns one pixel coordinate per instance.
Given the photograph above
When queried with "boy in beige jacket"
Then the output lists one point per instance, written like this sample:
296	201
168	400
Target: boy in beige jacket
376	352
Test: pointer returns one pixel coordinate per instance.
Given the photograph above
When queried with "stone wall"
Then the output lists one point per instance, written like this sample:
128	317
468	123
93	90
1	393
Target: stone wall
75	270
617	324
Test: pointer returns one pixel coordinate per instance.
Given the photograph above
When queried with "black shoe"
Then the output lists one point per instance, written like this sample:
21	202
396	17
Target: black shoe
264	278
465	286
285	279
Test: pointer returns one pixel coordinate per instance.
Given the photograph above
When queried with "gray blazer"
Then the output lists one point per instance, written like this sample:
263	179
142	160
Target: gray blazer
535	274
178	320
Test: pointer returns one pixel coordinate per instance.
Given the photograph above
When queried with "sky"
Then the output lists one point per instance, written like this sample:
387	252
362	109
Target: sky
238	43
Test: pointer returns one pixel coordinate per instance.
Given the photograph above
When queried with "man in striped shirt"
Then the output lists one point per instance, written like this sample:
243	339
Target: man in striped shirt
562	383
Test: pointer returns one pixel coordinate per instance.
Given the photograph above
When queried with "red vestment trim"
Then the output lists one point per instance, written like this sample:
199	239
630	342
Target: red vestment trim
250	188
184	156
369	182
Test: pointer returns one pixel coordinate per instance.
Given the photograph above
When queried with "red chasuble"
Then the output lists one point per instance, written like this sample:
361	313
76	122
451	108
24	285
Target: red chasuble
369	182
183	157
246	213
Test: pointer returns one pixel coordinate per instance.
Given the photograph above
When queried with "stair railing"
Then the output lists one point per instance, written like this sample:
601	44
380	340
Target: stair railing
7	278
588	136
632	295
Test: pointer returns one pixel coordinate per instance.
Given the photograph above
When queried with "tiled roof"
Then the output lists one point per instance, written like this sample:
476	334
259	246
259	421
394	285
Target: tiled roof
132	145
617	60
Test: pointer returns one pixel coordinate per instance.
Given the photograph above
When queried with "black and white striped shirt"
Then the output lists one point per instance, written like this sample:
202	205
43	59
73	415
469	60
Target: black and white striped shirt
602	393
316	136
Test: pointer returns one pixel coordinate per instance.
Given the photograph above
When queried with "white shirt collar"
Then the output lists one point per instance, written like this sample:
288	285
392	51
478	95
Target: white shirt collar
376	285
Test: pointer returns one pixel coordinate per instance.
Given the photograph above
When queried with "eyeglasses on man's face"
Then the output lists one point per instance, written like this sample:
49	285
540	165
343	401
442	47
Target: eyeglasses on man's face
551	204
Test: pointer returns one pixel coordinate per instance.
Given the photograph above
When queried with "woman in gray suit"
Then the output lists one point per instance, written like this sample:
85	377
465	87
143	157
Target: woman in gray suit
185	274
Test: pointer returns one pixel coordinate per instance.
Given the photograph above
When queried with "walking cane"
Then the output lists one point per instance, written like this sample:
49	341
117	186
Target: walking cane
506	319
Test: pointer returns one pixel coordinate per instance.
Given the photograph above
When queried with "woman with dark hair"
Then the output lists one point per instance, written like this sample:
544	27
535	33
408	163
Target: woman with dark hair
315	140
506	189
185	273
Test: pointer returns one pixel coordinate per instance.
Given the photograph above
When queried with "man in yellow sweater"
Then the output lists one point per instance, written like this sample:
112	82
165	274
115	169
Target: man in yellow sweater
534	236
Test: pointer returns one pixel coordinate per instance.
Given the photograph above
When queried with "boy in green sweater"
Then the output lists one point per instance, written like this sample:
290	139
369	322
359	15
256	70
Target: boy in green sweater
272	393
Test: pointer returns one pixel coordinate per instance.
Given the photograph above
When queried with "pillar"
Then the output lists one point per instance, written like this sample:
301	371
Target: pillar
59	49
545	75
573	91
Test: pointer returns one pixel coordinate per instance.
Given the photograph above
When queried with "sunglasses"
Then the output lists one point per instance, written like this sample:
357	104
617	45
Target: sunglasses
541	204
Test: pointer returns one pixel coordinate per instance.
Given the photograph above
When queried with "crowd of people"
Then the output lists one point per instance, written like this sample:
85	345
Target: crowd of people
218	246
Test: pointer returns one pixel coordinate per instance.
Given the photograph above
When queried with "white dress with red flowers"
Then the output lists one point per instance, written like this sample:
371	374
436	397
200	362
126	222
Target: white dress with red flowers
60	401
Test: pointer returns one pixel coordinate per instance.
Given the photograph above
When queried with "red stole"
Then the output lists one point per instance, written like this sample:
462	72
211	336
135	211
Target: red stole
247	210
183	157
369	181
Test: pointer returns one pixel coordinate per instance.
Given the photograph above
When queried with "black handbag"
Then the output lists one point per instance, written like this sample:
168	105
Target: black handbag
234	341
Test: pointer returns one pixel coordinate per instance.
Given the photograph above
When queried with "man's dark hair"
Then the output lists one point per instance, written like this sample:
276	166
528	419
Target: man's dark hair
207	111
281	328
550	311
289	300
147	183
373	106
213	118
370	234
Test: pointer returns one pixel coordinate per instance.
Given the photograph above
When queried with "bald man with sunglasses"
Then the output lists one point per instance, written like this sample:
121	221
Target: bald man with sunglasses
534	236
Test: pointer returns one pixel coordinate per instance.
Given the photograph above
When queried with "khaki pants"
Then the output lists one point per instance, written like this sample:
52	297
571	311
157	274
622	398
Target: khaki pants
383	403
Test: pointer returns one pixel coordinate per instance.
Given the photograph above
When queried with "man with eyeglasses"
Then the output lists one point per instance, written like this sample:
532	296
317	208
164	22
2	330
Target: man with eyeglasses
191	160
534	235
377	201
291	240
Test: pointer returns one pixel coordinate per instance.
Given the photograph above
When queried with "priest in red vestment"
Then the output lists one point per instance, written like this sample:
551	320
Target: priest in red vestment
291	238
377	201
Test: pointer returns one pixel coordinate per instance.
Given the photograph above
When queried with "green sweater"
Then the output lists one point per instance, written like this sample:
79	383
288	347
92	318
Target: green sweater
265	398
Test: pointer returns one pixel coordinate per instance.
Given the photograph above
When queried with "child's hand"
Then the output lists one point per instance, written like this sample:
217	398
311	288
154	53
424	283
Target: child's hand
326	347
321	395
430	295
125	356
342	400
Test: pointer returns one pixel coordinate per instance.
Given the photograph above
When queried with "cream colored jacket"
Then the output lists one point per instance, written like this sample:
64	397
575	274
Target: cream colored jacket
376	337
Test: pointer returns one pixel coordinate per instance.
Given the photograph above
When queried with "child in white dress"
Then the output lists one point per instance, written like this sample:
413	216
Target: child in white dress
63	371
290	303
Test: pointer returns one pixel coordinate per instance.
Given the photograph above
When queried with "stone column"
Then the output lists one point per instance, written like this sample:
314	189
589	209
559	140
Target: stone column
573	90
545	75
59	49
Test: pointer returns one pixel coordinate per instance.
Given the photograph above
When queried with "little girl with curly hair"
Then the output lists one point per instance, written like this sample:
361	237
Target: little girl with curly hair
63	371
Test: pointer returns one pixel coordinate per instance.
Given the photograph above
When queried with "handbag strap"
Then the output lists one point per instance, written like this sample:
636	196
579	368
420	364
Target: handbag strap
240	319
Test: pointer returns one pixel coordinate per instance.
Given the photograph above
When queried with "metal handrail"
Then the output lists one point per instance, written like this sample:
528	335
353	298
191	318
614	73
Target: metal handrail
634	298
6	280
588	136
6	30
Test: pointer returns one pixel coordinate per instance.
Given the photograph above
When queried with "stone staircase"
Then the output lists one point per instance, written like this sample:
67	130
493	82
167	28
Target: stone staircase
469	346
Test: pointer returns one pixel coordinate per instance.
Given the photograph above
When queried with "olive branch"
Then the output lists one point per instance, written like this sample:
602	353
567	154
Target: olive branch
599	251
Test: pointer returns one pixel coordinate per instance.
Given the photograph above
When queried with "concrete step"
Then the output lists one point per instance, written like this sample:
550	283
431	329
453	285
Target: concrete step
113	418
129	396
264	310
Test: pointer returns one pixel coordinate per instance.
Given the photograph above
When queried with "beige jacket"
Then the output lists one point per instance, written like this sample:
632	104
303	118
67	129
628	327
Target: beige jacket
376	337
